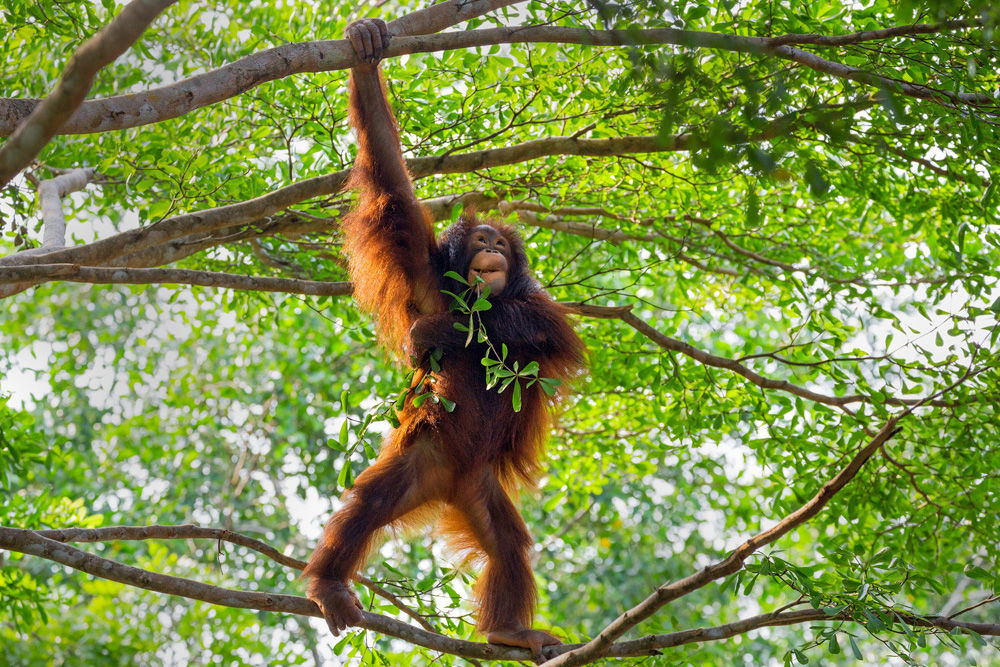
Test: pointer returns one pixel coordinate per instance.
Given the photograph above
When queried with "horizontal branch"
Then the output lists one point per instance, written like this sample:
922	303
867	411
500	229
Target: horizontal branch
39	273
174	100
191	531
30	542
20	541
124	111
106	250
47	116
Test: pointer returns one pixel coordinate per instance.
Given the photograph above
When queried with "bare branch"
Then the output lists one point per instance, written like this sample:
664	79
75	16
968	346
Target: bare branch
52	113
30	542
50	194
38	273
116	113
46	544
674	345
190	531
734	562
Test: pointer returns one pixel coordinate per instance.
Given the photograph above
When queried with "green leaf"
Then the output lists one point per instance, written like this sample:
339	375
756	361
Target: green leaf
976	572
346	476
855	648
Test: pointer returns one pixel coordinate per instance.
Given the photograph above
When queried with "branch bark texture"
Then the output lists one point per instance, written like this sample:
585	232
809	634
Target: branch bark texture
172	101
122	276
47	544
133	241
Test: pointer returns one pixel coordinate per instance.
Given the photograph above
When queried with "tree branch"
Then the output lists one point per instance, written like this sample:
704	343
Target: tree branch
39	273
190	531
674	345
50	194
872	35
649	644
105	250
186	233
30	542
49	115
172	101
734	562
121	112
46	544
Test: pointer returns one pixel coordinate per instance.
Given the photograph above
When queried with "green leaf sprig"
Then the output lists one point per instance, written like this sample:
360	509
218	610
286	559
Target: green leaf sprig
499	373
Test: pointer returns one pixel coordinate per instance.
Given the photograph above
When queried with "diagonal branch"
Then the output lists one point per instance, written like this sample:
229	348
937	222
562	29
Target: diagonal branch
133	241
732	563
52	113
186	233
675	345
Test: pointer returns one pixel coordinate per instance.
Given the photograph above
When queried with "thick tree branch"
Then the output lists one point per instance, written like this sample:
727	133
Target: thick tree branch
30	542
190	531
106	250
38	273
49	115
180	236
445	15
116	113
46	544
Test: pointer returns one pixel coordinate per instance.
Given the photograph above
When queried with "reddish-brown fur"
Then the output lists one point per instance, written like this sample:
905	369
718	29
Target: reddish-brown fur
466	462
